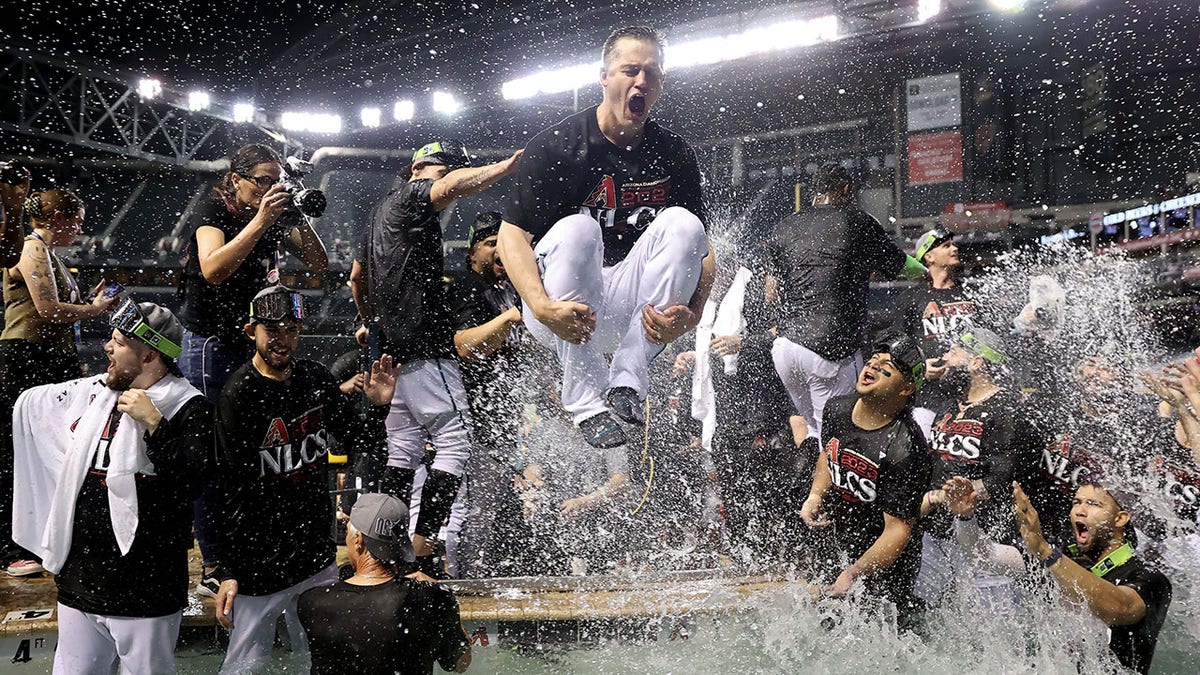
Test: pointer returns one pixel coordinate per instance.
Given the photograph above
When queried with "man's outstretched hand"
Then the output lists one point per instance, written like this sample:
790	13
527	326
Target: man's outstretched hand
664	327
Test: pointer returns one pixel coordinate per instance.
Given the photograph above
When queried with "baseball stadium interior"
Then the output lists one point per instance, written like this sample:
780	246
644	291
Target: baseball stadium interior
1017	126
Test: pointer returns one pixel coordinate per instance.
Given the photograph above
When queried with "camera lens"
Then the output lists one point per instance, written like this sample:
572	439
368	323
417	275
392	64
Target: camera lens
311	203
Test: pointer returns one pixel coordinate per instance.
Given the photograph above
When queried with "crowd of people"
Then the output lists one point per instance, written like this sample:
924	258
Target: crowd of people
602	335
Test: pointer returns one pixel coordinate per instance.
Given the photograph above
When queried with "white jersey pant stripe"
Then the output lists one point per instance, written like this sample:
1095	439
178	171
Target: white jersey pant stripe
430	405
92	643
662	270
254	618
811	379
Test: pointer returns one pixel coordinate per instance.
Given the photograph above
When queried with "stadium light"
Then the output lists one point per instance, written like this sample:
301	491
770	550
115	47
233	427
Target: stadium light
927	9
445	103
1008	5
775	37
149	88
404	110
198	100
371	117
243	113
319	123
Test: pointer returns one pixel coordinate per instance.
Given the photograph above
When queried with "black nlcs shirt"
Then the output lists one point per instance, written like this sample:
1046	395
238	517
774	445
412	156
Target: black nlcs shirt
824	257
933	317
490	382
151	580
1133	645
272	442
404	264
993	441
400	626
572	168
875	472
223	309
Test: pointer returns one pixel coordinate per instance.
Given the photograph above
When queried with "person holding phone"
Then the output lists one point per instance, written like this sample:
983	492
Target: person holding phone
42	307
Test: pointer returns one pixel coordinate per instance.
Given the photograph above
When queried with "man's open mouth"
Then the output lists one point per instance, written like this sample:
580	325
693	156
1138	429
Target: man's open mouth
1082	534
637	104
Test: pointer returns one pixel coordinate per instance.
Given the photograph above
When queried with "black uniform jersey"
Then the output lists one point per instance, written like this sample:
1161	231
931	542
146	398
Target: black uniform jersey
1133	645
885	470
824	257
223	309
404	262
993	441
400	626
272	439
491	381
152	578
933	317
573	168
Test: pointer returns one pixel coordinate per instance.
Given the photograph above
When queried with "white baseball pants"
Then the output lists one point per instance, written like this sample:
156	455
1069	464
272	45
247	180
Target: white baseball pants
662	270
811	379
91	643
430	405
254	619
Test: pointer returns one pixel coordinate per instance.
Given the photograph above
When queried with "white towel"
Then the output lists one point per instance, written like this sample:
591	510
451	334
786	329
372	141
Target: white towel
716	320
56	431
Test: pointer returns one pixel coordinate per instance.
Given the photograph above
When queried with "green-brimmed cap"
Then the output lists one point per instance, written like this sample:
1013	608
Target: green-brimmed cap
931	240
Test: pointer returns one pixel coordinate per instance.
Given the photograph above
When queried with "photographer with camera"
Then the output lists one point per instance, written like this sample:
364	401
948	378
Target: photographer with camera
14	188
233	253
42	304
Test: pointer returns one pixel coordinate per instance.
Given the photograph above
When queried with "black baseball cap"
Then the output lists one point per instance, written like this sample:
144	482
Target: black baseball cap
446	151
383	521
152	325
906	353
931	240
487	224
276	303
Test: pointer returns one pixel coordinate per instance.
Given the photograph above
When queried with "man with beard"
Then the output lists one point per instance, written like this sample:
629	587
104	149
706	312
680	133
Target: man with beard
486	316
106	472
404	299
1102	571
821	260
933	312
604	238
988	437
272	435
874	467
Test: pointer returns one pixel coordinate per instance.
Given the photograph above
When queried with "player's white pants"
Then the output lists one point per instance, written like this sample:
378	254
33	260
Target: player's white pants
430	405
924	417
811	379
662	269
91	643
254	618
944	563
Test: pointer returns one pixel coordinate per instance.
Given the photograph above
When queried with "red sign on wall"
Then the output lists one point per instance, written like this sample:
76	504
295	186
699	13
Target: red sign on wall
935	158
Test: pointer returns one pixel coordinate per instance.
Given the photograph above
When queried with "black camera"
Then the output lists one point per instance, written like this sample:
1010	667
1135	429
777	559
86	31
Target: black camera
306	201
13	174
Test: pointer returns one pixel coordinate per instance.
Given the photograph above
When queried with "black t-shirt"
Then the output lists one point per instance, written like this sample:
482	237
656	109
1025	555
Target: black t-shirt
885	470
272	439
223	309
152	578
400	626
573	168
824	257
933	317
490	382
404	264
1133	645
993	441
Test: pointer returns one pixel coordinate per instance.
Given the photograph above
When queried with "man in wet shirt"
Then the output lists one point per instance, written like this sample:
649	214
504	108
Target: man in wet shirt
933	312
272	430
604	238
1101	570
821	260
871	475
985	435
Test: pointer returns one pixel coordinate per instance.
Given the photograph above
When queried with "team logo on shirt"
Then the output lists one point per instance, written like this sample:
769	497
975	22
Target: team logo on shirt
946	318
646	200
853	475
1067	464
293	446
1178	484
956	440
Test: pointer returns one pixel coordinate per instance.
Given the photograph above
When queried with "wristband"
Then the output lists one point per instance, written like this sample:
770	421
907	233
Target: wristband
1055	556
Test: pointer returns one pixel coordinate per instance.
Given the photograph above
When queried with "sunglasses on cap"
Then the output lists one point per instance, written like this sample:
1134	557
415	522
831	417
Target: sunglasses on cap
277	307
132	323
